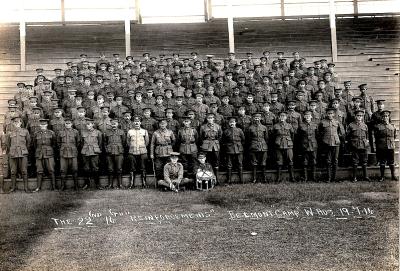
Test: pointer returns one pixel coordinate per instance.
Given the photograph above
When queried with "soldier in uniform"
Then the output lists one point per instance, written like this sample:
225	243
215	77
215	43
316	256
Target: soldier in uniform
330	131
187	141
161	147
307	134
385	136
126	123
44	142
233	139
368	103
137	141
91	142
114	142
257	136
357	137
377	116
68	142
173	174
283	134
16	145
210	135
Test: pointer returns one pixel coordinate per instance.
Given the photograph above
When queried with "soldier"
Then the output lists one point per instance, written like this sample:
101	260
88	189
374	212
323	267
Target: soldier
307	134
44	143
368	103
385	136
57	121
243	121
210	135
67	142
187	141
347	94
200	108
91	142
173	174
16	145
377	116
114	142
330	131
276	107
148	123
292	117
126	123
173	124
137	141
103	122
283	133
161	147
233	139
119	109
357	137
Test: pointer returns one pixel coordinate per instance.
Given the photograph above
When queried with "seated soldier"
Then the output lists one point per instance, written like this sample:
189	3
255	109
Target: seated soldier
173	174
203	173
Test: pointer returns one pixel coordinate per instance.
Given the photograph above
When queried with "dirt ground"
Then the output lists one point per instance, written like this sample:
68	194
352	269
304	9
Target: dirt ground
285	226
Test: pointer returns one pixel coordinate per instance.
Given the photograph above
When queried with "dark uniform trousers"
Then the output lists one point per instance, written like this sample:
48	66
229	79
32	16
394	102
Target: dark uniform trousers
161	148
385	135
329	131
257	136
44	142
67	141
16	143
357	135
307	133
233	138
91	140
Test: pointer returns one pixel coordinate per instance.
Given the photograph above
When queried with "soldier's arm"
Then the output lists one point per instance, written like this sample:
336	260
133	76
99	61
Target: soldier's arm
180	173
123	139
166	174
100	139
152	145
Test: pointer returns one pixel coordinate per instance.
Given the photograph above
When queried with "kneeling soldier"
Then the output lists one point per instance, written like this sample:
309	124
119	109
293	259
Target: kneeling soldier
173	174
357	136
385	136
17	143
257	135
114	142
138	140
233	139
307	132
67	141
283	135
91	141
44	142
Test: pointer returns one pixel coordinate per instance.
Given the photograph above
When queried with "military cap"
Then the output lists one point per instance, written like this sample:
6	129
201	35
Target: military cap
307	112
15	118
39	70
317	62
46	92
229	72
257	114
250	70
190	111
168	89
348	81
386	112
323	60
115	54
380	101
320	81
89	120
197	62
169	109
69	63
174	154
213	104
199	95
359	111
103	63
12	106
33	98
291	102
210	114
301	80
282	113
338	89
58	109
356	98
128	57
162	119
274	93
159	95
331	64
335	100
123	78
312	101
40	76
280	53
231	53
311	68
44	120
232	118
327	73
318	92
285	76
147	109
74	65
79	108
186	118
20	84
127	112
146	54
330	109
136	118
12	101
209	56
36	108
300	91
362	85
241	76
28	86
201	155
67	120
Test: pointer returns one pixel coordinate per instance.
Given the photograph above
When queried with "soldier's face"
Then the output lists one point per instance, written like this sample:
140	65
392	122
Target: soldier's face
282	117
81	113
168	94
57	114
114	124
105	113
43	126
147	113
321	85
119	101
18	123
225	100
274	98
302	84
319	97
330	115
250	99
210	119
197	66
100	100
199	99
257	118
127	116
385	118
232	123
220	82
210	91
241	111
291	106
46	98
335	104
313	107
357	103
186	123
163	124
169	114
202	159
308	117
266	107
359	117
347	85
381	106
33	103
68	125
89	125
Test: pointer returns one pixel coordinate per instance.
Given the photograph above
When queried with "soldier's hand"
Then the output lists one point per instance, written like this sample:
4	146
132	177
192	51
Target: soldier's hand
151	156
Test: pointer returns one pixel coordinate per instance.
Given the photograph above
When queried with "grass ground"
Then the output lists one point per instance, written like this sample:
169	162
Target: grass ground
113	230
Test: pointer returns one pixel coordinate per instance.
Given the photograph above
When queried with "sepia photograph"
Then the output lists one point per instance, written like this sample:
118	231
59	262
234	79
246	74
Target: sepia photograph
199	135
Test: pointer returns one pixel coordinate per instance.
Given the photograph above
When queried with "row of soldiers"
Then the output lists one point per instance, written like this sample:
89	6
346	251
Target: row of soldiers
70	146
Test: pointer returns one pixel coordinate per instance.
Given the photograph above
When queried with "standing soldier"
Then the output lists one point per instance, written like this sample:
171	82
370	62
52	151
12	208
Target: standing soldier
210	135
44	142
330	131
67	142
385	136
357	136
283	136
137	141
114	142
233	139
126	123
187	139
257	135
368	103
91	141
17	143
307	134
161	147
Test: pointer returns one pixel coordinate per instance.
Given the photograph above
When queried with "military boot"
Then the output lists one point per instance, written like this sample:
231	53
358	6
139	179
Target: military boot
382	171
291	175
334	169
254	175
143	177
39	182
53	182
13	183
119	178
264	174
354	174
279	174
393	173
312	176
110	181
216	172
63	180
241	175
305	174
365	173
329	171
75	177
229	177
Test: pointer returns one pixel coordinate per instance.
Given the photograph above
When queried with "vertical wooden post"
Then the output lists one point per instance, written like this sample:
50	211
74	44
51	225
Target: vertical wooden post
283	9
63	12
355	6
22	35
138	12
332	23
127	31
207	9
230	28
